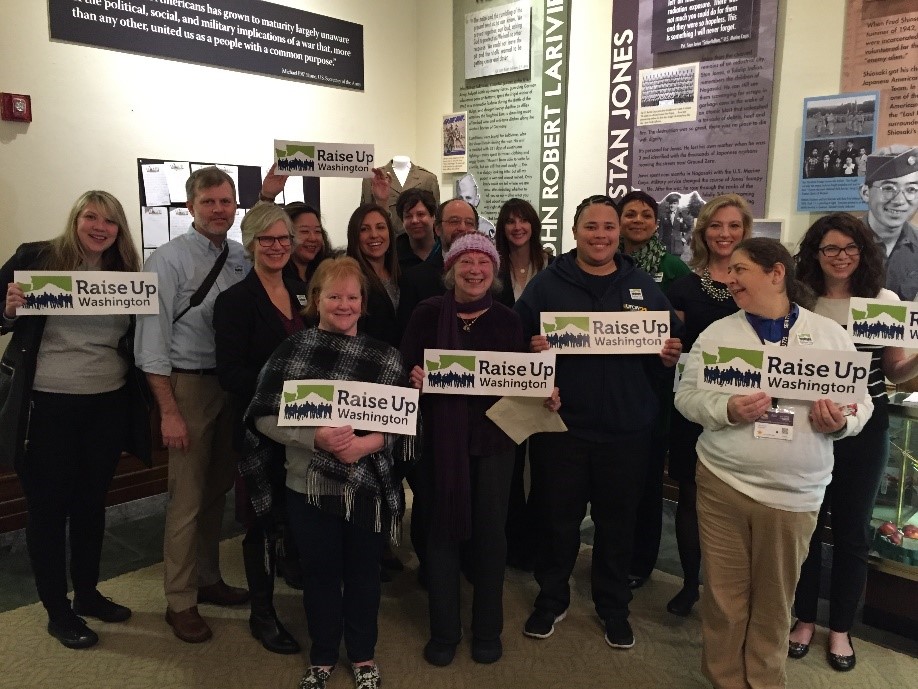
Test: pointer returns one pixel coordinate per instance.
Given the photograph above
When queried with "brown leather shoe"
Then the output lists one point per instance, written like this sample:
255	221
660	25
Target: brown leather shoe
222	593
188	625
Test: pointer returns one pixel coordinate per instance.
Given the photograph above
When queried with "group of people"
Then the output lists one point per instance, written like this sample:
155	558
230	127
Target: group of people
321	505
850	161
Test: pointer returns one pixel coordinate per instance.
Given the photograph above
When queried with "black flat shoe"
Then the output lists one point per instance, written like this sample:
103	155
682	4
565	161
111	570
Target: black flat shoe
72	632
797	650
96	605
842	663
636	582
439	653
682	602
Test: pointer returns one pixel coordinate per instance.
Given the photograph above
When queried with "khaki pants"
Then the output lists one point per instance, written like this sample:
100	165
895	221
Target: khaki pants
199	479
751	557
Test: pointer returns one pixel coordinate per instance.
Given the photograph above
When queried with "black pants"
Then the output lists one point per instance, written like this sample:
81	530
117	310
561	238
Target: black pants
74	442
341	588
567	473
648	523
520	512
485	554
859	463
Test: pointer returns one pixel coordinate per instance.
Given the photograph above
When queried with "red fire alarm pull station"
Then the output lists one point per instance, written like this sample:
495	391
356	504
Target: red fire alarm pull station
15	107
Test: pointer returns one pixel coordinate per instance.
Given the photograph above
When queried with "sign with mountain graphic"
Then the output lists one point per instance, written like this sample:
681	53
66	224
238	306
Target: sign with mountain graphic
605	332
87	292
306	159
883	322
798	373
462	372
363	406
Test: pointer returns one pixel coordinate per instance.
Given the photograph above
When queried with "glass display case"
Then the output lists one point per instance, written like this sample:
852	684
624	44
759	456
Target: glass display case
891	599
897	500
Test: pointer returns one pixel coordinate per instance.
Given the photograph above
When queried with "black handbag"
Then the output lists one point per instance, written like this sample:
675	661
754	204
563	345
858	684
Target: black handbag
139	436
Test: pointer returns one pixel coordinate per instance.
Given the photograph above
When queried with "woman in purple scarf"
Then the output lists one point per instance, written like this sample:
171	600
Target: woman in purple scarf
467	461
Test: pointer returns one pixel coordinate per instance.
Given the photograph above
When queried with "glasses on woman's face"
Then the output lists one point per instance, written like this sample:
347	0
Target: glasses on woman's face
266	242
889	191
831	251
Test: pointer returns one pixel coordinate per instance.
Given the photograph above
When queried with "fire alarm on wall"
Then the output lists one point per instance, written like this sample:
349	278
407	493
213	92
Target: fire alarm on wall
15	107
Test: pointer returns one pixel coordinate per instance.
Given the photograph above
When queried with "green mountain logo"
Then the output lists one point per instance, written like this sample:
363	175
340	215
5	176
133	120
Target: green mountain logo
561	322
292	149
874	311
446	360
755	358
325	392
63	283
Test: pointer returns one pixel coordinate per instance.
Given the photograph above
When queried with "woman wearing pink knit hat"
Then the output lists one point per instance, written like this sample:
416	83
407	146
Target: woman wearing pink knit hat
467	461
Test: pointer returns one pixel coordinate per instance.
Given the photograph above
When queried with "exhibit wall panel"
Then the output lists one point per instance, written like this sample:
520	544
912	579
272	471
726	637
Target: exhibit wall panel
808	62
96	111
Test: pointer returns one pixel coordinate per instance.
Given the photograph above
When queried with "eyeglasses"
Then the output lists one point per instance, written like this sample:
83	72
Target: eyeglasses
889	191
468	223
266	242
831	251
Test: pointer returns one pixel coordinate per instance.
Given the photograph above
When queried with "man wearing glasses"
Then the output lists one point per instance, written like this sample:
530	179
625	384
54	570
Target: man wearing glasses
890	190
453	219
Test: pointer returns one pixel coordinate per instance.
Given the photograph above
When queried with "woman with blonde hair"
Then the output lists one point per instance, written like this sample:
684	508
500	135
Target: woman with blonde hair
65	417
699	299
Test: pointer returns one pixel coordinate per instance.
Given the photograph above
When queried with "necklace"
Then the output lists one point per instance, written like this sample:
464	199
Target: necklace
717	293
467	323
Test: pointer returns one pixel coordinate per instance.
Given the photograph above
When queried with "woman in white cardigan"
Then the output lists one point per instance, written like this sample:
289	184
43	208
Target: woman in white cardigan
758	498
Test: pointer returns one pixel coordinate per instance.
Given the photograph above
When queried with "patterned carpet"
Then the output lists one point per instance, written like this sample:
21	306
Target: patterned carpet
143	653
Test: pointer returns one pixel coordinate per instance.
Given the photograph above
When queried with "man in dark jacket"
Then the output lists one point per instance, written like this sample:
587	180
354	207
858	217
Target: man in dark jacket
609	407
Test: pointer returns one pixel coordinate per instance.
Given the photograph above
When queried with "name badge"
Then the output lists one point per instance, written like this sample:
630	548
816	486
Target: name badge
658	277
804	339
777	424
636	293
302	299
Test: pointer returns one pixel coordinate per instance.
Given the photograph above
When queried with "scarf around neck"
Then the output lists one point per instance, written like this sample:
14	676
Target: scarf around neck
648	257
452	485
364	493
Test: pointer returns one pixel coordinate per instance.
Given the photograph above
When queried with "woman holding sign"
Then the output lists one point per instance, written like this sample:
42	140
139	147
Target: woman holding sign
762	471
838	259
64	416
342	500
467	461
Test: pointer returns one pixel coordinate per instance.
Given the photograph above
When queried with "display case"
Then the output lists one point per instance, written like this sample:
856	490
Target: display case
891	600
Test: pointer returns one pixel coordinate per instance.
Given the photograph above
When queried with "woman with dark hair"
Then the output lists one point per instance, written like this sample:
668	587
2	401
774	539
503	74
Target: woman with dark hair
699	299
639	239
518	239
251	319
342	498
838	259
521	257
371	243
311	245
758	497
65	420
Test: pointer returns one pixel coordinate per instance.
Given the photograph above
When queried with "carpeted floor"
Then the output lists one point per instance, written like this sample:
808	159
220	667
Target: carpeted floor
143	653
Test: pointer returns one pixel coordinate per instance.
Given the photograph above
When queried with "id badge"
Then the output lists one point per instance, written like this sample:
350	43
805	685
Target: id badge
777	424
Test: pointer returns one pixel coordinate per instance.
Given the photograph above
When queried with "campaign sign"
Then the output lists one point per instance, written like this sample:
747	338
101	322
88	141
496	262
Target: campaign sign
463	372
87	292
323	160
363	406
798	373
606	332
883	322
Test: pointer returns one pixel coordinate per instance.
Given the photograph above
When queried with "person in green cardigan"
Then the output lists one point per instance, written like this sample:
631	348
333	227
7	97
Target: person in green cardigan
639	239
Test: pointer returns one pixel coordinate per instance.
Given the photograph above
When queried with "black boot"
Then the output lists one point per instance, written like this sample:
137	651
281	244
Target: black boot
258	556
